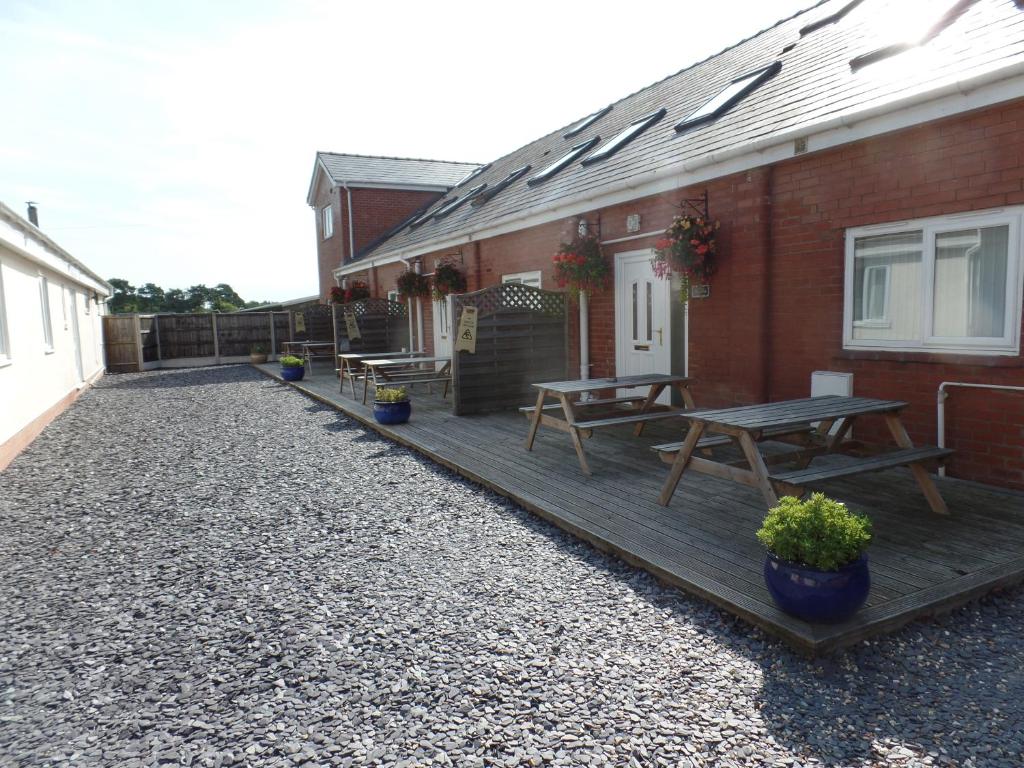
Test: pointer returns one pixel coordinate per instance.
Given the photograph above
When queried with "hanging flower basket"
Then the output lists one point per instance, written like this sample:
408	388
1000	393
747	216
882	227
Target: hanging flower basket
580	266
356	290
413	286
447	280
688	249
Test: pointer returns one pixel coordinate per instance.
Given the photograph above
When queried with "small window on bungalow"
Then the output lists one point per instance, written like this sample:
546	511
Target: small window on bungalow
491	192
327	222
830	19
635	128
421	219
729	96
586	122
5	344
44	305
945	284
567	159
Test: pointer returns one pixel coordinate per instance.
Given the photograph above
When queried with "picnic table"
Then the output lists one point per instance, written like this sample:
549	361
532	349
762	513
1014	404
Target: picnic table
307	350
402	371
750	425
347	361
640	409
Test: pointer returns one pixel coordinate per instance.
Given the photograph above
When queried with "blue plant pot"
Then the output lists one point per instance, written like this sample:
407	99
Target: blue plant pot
392	413
293	374
824	597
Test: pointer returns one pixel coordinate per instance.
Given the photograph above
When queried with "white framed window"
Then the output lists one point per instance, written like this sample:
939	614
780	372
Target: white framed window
526	278
5	344
44	306
394	296
942	284
327	221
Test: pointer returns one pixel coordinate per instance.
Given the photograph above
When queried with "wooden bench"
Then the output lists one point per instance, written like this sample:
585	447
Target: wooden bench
529	409
668	451
630	418
793	481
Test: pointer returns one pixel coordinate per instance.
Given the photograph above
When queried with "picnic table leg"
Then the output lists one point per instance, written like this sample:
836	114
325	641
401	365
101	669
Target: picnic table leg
535	421
757	466
570	417
679	465
656	390
687	395
366	383
923	477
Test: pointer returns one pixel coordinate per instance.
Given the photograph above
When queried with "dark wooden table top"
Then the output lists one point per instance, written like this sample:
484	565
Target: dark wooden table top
589	385
786	412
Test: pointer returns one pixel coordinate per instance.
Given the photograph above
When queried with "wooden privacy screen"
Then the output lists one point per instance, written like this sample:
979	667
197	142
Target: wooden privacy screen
383	326
522	338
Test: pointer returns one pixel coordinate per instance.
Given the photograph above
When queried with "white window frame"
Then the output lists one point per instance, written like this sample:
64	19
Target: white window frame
327	222
874	322
44	306
5	340
1009	344
522	277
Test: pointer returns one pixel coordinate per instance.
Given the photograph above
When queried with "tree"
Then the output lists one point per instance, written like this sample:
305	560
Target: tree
124	298
151	298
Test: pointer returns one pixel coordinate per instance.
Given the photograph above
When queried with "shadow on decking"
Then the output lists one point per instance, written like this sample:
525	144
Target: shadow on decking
922	564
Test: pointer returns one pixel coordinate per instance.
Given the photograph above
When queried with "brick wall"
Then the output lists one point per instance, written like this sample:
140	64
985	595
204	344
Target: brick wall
374	212
776	307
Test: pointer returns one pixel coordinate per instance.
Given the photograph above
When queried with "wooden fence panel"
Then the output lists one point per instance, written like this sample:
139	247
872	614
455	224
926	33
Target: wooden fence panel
522	338
317	322
239	332
186	336
383	326
121	343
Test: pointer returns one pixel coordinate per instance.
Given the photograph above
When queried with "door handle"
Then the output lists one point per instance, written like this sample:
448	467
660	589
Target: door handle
661	337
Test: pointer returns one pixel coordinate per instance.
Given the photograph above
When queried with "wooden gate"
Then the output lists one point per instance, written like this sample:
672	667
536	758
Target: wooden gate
522	338
121	343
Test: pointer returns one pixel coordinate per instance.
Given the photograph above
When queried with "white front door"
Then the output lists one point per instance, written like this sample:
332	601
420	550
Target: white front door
76	335
642	328
442	328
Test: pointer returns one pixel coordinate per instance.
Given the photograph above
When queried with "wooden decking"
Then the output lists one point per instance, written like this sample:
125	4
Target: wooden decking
703	542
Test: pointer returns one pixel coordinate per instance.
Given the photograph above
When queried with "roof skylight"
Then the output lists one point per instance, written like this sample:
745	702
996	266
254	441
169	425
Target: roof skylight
832	18
566	159
635	128
491	192
586	122
450	207
916	22
472	175
730	96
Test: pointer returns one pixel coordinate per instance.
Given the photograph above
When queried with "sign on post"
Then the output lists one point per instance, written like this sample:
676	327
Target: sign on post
465	340
300	322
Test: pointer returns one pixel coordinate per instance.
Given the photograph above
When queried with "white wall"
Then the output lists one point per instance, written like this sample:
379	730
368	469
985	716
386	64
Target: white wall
34	379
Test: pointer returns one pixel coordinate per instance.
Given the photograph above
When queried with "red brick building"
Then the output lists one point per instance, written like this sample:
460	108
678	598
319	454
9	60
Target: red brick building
357	200
870	191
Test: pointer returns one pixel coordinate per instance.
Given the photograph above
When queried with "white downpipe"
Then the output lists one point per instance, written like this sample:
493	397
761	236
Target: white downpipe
351	226
417	267
409	312
584	337
941	404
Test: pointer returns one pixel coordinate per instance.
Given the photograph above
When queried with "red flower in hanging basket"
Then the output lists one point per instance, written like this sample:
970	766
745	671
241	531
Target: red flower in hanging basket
688	248
413	286
580	266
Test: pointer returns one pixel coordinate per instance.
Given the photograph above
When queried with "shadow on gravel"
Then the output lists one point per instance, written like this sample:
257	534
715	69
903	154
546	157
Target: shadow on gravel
179	377
951	687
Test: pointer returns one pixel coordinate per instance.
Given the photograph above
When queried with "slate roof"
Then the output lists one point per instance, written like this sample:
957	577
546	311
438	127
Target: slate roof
399	171
816	84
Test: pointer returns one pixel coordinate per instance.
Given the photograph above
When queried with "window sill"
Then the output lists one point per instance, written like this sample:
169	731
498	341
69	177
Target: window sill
926	357
49	350
5	361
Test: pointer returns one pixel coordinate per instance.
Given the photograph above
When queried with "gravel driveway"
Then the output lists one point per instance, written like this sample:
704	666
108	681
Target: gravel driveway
206	568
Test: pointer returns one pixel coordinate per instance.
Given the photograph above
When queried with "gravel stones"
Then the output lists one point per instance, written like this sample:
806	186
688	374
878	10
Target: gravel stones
205	568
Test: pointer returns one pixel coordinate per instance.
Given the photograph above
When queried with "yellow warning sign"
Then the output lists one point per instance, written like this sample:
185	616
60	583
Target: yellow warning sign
352	326
465	339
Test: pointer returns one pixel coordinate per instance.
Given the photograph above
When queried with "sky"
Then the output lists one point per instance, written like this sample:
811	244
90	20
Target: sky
173	142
